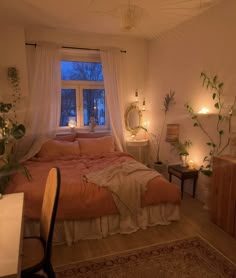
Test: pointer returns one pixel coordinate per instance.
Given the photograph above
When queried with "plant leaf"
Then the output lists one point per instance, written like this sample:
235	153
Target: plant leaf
205	158
206	172
18	131
5	107
2	122
2	147
217	105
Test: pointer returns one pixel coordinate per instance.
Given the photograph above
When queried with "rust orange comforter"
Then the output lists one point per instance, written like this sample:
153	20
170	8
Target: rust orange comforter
78	199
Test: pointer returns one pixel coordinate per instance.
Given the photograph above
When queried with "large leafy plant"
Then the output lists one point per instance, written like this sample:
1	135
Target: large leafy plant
182	147
9	129
10	132
220	142
168	102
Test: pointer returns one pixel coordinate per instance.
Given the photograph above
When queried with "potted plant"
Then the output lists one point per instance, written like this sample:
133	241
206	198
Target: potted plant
182	149
223	123
168	102
10	132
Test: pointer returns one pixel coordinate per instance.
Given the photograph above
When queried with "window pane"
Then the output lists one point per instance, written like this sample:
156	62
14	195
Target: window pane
73	70
94	105
68	105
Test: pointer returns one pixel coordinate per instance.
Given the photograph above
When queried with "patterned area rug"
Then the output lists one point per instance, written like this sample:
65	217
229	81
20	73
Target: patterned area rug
190	257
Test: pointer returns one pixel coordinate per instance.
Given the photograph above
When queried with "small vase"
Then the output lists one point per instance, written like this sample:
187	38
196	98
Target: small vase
92	124
183	160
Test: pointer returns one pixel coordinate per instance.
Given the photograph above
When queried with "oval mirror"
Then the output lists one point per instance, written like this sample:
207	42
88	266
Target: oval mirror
133	119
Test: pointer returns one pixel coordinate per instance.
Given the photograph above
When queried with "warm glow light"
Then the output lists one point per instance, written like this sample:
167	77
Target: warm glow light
191	164
144	105
72	122
203	110
136	96
146	124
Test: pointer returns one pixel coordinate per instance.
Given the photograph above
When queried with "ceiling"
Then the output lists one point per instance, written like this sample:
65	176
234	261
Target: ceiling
102	16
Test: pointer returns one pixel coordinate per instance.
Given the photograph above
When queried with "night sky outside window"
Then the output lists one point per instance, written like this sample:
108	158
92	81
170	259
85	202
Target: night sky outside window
82	94
74	70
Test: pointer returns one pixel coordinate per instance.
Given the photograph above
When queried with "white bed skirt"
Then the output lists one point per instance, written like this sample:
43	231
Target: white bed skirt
95	228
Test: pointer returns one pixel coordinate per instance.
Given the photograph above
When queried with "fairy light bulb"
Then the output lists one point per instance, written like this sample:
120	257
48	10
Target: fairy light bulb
136	95
144	105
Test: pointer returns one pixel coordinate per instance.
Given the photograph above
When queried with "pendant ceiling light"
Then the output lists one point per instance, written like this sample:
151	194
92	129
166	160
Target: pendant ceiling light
130	17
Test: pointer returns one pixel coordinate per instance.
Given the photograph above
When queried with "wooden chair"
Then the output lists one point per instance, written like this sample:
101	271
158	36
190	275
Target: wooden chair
37	249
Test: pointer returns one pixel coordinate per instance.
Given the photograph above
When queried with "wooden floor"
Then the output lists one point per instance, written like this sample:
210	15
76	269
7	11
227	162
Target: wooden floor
194	220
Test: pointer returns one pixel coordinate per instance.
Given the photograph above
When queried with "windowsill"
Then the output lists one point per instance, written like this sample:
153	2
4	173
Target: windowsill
66	130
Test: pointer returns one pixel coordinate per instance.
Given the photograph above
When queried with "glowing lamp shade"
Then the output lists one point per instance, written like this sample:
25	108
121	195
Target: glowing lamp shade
72	122
131	16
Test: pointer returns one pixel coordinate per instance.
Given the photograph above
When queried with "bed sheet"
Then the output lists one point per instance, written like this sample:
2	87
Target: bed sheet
80	199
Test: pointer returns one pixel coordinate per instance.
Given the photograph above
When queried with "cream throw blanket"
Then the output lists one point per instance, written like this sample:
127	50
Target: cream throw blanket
127	181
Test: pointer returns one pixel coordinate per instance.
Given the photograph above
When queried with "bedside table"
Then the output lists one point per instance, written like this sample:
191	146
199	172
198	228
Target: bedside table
138	148
183	173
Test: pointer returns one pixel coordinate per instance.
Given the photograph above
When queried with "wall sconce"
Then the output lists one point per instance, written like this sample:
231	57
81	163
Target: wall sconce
136	96
172	133
72	122
144	105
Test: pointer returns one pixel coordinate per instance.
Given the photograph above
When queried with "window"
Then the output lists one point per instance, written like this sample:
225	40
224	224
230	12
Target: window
82	93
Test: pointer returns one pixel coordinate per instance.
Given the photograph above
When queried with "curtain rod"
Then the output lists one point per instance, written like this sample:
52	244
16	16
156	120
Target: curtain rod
72	47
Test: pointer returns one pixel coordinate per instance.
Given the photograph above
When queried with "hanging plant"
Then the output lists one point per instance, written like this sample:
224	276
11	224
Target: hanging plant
14	79
223	124
10	132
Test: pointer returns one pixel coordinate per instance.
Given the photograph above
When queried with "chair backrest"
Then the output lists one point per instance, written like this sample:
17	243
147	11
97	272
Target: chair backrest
49	208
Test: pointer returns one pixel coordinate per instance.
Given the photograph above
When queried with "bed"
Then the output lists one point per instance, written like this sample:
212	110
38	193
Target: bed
103	191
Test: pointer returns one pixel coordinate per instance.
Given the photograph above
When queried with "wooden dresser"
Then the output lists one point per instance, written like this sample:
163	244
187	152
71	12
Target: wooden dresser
222	198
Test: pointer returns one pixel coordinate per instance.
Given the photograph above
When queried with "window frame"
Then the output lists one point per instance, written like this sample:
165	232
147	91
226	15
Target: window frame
79	85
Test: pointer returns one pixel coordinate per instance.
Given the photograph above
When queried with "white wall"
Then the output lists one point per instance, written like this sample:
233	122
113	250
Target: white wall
12	54
206	43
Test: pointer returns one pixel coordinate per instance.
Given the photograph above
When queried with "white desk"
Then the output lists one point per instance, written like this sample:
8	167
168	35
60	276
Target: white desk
11	214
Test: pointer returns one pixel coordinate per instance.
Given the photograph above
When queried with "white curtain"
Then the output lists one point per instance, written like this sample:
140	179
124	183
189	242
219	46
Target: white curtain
43	108
112	67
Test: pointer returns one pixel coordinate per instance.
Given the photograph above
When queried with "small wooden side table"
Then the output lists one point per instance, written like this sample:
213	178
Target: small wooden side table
183	173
